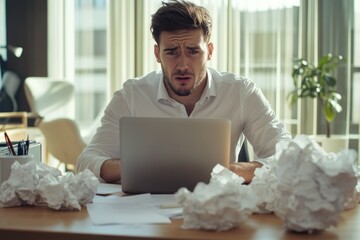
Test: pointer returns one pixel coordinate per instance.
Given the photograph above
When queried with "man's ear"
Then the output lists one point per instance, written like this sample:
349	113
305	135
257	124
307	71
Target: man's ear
210	50
157	52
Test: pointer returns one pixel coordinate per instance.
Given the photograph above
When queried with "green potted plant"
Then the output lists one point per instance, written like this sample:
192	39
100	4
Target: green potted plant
317	82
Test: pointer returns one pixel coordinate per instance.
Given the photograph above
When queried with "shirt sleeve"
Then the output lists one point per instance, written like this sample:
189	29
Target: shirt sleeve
261	126
106	142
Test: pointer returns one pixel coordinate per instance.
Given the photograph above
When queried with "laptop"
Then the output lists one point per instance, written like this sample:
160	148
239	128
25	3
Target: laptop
161	155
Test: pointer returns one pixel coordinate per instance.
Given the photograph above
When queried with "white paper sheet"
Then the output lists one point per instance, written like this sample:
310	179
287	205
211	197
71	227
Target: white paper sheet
107	188
119	213
135	209
166	205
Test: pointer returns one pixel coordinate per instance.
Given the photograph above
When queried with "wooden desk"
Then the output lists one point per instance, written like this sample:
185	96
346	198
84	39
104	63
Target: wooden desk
43	223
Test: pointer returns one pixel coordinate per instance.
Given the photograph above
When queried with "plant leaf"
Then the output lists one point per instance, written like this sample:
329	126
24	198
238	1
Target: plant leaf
335	105
334	95
329	80
329	112
293	97
324	60
318	82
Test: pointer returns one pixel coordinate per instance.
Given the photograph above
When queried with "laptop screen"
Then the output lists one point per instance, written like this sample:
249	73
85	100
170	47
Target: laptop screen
161	155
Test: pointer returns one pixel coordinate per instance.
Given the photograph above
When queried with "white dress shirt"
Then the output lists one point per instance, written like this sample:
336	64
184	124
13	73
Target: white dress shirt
225	96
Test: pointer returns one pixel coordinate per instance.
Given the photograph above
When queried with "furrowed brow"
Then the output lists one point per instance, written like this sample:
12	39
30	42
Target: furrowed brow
171	49
193	48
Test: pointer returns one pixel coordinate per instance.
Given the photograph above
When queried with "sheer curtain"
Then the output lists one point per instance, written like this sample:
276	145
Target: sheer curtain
328	27
121	41
263	39
77	52
355	81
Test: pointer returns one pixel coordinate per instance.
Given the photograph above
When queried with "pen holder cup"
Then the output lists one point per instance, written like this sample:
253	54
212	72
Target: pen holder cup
7	161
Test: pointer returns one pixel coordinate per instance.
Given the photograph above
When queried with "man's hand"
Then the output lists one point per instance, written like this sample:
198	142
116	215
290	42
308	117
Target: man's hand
110	170
245	169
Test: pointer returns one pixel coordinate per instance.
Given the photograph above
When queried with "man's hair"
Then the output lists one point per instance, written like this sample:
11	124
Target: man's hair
180	15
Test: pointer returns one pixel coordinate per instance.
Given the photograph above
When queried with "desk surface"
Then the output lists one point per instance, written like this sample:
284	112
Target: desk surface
43	223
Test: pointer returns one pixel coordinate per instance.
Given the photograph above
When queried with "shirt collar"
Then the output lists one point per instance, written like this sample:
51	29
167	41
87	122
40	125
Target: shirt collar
209	90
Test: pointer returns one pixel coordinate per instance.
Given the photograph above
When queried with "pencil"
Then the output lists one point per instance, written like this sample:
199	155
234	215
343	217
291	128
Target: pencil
9	144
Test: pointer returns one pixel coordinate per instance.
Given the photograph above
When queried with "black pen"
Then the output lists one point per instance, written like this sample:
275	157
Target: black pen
27	145
20	150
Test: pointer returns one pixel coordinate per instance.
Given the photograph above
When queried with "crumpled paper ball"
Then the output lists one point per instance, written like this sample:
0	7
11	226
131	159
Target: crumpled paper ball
264	186
302	184
68	192
355	198
220	205
313	186
36	183
20	188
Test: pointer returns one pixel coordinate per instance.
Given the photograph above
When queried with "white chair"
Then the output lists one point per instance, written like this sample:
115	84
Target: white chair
47	96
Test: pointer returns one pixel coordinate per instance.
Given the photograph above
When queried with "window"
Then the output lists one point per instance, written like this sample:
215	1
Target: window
264	48
77	39
2	35
108	41
355	86
90	59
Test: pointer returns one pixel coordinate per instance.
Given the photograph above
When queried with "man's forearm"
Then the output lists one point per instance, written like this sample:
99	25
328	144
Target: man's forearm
245	169
110	170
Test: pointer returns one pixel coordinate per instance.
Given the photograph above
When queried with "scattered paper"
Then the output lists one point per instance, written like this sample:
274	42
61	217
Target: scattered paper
167	205
305	186
355	199
264	186
36	183
311	186
118	213
134	209
107	188
220	205
118	198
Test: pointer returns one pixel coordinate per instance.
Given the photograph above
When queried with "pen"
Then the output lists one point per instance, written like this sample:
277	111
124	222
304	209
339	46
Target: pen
9	144
27	145
20	150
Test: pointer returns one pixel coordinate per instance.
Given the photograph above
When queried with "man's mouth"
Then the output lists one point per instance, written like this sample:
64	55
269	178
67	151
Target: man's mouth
183	78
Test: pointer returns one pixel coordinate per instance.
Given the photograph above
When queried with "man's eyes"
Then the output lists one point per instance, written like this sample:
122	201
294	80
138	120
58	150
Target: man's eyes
175	52
171	52
193	51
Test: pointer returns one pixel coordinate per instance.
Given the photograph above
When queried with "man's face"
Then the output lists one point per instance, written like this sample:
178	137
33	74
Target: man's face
183	55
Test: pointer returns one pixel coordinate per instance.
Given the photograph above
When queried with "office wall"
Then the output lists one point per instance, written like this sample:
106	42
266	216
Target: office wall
26	26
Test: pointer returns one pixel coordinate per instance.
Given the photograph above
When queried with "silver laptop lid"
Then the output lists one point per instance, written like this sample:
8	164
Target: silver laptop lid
161	155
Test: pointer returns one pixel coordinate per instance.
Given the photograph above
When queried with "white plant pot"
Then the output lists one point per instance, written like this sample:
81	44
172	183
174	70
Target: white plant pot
335	143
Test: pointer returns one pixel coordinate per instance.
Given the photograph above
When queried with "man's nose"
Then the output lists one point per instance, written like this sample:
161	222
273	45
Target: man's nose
183	62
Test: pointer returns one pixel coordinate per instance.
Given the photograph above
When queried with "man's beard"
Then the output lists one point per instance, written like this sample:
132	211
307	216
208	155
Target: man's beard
180	91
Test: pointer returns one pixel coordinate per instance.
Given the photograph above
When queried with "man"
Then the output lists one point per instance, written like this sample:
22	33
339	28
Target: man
185	88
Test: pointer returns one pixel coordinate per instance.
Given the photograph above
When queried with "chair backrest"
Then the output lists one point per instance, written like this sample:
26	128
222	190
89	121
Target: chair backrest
47	96
62	139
